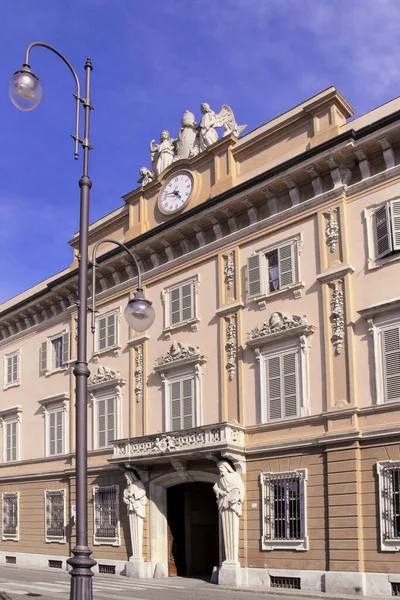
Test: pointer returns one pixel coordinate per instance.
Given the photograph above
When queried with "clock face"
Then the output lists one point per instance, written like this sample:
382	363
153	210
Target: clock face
176	193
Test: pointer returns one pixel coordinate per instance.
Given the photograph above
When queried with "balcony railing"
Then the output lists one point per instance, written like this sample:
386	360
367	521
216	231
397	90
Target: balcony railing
195	441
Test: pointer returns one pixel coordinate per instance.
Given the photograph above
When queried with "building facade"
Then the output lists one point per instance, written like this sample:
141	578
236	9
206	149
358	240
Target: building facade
253	432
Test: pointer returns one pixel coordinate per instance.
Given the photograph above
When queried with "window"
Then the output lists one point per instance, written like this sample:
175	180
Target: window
390	344
106	515
274	269
106	336
389	504
106	419
180	304
11	445
182	403
12	369
383	232
55	424
10	516
282	385
54	353
54	515
283	510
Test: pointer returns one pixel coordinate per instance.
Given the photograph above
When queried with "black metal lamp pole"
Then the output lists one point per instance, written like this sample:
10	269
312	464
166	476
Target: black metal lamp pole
25	92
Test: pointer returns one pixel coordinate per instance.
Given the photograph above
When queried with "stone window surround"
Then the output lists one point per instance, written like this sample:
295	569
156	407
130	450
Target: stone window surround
54	403
300	545
49	370
10	537
115	348
165	298
372	261
391	545
53	539
8	385
97	541
107	389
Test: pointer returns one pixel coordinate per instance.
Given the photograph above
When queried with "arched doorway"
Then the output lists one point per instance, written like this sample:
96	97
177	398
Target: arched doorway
192	519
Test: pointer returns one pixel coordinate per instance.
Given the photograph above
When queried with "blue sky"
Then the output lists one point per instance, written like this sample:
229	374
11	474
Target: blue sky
153	59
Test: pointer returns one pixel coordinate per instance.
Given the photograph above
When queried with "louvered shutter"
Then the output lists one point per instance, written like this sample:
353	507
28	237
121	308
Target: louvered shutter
15	368
175	392
254	276
52	433
290	384
187	300
102	333
391	363
175	306
187	403
65	348
274	388
110	420
286	263
101	423
395	218
382	231
112	330
59	432
43	358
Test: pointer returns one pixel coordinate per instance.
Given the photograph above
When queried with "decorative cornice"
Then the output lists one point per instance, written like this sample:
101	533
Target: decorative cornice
229	309
63	397
381	308
138	340
179	354
279	326
103	377
335	273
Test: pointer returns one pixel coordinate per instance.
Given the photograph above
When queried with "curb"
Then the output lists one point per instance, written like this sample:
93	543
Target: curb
300	593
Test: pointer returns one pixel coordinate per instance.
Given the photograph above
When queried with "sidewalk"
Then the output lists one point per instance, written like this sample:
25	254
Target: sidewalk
300	593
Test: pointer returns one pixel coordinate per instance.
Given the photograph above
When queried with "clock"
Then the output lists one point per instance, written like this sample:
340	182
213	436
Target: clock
176	193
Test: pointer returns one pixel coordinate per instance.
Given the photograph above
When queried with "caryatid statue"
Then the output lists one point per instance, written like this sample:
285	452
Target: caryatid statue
210	120
229	491
188	137
135	499
162	154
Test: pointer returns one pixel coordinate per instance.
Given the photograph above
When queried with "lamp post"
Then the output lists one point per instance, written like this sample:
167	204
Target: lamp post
25	92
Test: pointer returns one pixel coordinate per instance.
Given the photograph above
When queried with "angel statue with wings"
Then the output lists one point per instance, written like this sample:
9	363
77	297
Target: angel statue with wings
210	120
162	154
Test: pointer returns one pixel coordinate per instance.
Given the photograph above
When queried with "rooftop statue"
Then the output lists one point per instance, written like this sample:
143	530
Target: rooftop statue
192	139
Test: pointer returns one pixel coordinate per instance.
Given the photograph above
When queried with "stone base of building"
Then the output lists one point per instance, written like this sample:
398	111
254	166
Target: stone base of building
230	573
138	568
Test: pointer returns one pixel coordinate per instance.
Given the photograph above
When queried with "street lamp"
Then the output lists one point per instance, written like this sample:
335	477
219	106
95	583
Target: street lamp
26	92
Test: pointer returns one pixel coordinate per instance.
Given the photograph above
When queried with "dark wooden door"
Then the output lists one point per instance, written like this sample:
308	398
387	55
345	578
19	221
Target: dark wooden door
172	570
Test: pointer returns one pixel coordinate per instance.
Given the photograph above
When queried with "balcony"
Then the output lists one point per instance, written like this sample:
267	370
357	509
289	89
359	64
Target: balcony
197	442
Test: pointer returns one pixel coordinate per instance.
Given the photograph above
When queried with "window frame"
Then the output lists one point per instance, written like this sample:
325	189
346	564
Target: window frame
377	326
390	544
46	365
100	395
267	541
11	355
8	417
50	405
295	242
8	536
116	315
107	541
179	376
194	283
54	538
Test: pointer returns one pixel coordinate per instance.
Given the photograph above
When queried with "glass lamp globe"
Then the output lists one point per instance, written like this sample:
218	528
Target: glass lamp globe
25	90
139	312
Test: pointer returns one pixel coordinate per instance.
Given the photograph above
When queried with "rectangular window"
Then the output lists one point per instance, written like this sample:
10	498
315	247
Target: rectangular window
10	516
55	433
54	353
182	403
273	269
55	515
106	332
390	342
106	515
11	369
180	306
106	421
282	385
11	432
389	503
283	510
387	228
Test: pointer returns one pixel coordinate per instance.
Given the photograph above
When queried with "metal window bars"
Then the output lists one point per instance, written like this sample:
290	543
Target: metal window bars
55	514
106	512
10	514
390	495
283	506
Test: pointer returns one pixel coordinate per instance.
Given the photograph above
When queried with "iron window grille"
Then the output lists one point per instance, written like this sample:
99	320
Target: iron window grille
389	500
283	505
106	515
290	583
10	516
55	515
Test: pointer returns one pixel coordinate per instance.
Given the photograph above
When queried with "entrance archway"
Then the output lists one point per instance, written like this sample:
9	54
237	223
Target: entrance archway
190	560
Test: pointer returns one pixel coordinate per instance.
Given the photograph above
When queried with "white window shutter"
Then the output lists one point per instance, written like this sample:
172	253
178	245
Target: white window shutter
290	384
111	330
274	388
15	368
391	363
175	306
286	265
187	301
175	395
382	231
187	403
65	348
395	220
254	276
43	358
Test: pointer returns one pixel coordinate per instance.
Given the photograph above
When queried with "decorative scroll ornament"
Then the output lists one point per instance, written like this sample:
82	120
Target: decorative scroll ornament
229	270
331	231
104	374
337	319
178	352
192	139
230	348
277	322
139	374
165	443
